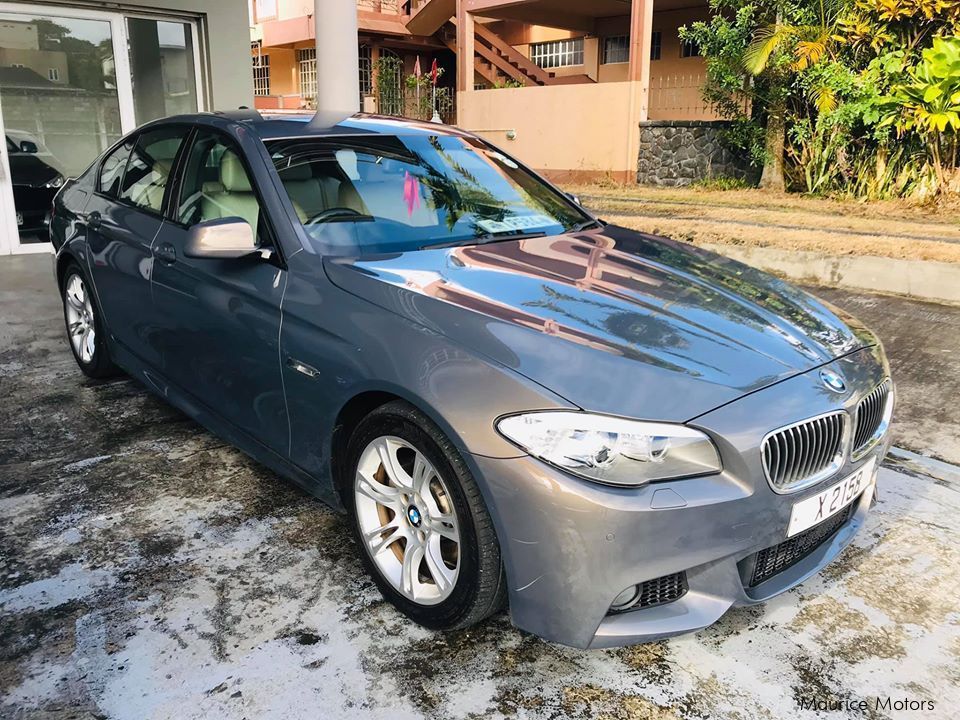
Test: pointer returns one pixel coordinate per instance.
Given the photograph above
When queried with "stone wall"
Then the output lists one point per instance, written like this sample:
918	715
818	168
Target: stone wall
680	152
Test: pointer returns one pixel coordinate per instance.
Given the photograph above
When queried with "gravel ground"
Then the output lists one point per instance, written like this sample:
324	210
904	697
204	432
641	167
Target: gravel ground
149	571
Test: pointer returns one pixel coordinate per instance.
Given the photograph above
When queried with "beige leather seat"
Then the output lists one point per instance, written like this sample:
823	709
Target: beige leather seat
233	196
310	195
148	191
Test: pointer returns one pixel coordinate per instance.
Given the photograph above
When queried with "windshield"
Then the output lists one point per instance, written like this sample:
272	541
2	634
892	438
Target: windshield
384	194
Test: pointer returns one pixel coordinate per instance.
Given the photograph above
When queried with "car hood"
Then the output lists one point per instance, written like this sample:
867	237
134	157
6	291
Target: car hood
614	321
30	170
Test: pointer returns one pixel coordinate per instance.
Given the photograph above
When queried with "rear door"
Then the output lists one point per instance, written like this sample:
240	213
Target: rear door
218	321
122	219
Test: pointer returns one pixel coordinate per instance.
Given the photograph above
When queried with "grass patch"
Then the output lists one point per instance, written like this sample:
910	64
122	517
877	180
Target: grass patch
749	217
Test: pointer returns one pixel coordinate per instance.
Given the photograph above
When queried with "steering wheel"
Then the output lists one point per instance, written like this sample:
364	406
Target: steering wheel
331	213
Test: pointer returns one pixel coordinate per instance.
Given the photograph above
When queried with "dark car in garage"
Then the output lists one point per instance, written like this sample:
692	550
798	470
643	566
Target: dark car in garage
35	181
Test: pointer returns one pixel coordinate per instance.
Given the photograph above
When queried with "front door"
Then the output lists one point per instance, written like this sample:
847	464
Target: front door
72	82
219	320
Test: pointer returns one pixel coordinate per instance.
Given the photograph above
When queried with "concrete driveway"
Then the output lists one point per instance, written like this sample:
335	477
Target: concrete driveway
149	571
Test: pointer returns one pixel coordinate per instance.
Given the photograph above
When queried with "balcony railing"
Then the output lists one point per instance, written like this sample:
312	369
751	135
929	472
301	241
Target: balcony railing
387	7
678	97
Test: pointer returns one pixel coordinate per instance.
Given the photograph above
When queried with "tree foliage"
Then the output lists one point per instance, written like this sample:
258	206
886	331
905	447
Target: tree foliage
869	90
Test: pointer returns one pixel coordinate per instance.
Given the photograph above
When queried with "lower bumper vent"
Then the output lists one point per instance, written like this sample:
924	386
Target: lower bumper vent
659	591
773	560
662	590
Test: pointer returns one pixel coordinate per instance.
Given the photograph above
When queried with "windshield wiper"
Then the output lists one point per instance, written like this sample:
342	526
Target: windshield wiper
484	239
580	226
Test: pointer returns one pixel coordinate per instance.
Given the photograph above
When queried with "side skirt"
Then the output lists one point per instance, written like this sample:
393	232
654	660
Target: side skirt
221	427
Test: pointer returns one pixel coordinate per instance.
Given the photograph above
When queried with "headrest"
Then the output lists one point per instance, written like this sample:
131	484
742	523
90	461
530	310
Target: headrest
296	173
232	175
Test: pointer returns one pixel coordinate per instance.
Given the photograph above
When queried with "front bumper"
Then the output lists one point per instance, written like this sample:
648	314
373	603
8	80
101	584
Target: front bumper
571	546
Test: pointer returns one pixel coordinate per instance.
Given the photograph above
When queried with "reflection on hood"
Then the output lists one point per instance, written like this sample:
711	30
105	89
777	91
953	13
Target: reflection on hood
614	321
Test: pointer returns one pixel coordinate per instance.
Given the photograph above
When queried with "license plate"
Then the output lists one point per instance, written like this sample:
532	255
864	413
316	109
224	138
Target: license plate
829	502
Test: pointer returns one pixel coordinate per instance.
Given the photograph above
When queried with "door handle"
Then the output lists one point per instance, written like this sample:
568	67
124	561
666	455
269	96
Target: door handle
92	219
166	252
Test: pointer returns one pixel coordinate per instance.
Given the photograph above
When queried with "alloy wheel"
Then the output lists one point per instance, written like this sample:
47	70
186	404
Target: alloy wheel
81	327
407	521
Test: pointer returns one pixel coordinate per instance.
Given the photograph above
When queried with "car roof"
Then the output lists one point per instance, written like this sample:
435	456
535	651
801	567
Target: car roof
297	125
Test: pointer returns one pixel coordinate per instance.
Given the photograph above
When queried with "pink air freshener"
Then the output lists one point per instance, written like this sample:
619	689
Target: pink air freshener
411	192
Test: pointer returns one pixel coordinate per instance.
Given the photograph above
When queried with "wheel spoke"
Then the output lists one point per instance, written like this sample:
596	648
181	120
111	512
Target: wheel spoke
423	472
75	302
378	492
412	557
445	525
441	574
384	536
387	451
76	328
89	343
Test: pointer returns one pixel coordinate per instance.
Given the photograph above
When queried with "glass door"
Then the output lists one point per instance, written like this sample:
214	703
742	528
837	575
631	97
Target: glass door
163	68
60	108
72	82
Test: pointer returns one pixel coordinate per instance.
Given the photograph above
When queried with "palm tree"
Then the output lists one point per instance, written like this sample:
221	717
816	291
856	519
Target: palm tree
805	45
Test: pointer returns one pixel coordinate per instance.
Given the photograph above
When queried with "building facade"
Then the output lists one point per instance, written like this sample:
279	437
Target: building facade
565	85
75	77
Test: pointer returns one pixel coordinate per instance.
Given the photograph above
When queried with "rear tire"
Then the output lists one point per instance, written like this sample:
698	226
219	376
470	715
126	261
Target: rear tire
86	334
427	538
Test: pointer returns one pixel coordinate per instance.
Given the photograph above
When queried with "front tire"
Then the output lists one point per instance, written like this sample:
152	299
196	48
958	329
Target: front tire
428	541
84	323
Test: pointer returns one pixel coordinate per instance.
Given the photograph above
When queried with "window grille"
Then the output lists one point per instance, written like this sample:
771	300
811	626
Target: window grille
366	72
557	53
616	50
261	74
688	48
307	61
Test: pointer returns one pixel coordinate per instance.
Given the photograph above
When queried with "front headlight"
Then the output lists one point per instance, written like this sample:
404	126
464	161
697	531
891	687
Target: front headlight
612	450
55	183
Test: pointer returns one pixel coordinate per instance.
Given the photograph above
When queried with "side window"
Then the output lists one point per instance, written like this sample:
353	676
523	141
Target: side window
111	172
216	185
150	165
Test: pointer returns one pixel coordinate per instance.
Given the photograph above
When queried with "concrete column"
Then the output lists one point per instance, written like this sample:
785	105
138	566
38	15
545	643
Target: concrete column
465	48
641	34
338	62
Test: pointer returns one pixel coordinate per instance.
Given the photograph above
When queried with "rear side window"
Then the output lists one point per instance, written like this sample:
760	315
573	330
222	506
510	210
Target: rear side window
150	165
111	172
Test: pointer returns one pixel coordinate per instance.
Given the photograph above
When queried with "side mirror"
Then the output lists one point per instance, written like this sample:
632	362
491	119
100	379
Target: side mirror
573	197
223	238
27	146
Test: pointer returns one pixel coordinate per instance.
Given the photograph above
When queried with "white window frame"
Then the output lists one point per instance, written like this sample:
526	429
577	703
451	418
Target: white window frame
9	235
558	53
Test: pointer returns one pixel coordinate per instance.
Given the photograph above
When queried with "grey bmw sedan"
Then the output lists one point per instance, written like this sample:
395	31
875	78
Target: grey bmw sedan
615	435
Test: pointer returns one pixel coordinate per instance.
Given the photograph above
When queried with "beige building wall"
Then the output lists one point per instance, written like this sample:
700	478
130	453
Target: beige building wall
284	71
285	9
40	61
670	70
598	140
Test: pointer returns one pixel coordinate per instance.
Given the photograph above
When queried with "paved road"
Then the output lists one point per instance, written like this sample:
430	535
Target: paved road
148	571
